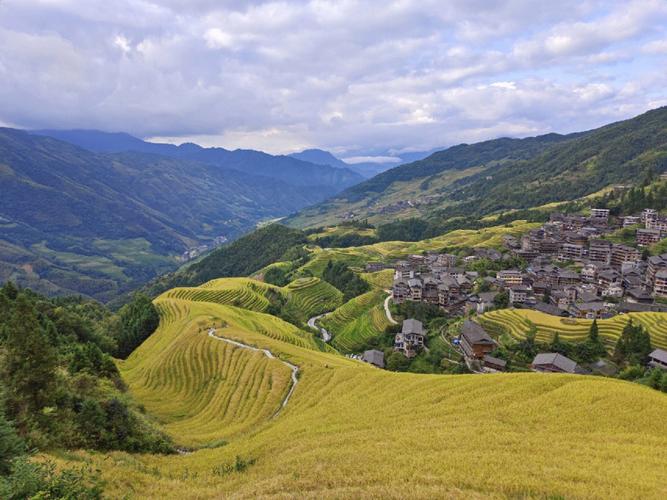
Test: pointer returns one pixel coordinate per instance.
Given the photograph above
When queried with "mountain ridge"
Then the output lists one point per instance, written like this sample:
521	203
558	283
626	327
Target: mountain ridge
102	223
470	180
285	168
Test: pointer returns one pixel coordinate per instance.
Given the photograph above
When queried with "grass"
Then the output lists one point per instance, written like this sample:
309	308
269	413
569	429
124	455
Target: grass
351	430
517	322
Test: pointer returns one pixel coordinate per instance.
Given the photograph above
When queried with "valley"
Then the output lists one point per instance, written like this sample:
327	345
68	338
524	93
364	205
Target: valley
428	350
317	249
102	221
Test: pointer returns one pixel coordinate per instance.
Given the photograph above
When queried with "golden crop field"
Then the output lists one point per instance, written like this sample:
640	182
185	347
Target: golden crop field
517	322
306	296
358	256
351	430
357	320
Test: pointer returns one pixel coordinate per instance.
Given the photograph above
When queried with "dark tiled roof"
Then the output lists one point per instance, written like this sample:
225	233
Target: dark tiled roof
659	355
557	360
413	326
495	361
474	333
374	357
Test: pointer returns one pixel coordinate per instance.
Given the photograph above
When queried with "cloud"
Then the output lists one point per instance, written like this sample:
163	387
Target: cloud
357	77
353	160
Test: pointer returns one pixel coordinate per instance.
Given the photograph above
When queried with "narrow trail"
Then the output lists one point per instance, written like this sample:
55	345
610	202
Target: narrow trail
386	309
326	336
270	355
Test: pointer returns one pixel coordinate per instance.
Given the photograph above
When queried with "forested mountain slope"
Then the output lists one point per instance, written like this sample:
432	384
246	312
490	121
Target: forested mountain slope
81	222
322	177
478	179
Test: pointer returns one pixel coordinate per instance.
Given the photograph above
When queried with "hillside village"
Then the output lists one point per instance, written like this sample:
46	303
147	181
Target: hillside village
570	267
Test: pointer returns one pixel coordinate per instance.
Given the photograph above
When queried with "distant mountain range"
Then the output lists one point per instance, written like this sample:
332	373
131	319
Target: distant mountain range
285	168
367	169
98	214
474	180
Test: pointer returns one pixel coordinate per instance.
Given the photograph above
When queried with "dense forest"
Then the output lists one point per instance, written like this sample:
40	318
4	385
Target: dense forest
340	276
240	258
61	388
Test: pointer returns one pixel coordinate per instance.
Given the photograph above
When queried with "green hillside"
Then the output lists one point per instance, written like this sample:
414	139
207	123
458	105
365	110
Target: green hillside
471	181
99	224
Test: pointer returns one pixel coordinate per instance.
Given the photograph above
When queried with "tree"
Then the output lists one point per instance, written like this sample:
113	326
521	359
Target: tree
30	362
341	277
594	332
655	378
137	321
11	445
634	345
276	276
397	362
502	300
557	345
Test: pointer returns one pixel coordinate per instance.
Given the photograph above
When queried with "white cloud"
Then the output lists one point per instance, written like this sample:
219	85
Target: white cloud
122	43
353	160
358	77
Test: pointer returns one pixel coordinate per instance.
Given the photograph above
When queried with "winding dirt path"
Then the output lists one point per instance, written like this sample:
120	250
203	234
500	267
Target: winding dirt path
326	336
270	355
386	309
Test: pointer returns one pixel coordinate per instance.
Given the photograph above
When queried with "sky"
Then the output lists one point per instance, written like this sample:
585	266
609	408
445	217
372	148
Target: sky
361	79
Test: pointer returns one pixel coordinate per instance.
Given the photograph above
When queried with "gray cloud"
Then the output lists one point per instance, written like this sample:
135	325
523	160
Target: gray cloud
354	77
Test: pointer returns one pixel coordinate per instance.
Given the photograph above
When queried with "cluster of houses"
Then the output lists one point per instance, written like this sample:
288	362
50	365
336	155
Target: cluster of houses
476	346
575	271
435	279
194	252
572	271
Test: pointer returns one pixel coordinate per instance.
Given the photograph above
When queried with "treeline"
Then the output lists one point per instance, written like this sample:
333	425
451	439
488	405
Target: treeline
60	386
340	276
345	240
240	258
416	229
649	194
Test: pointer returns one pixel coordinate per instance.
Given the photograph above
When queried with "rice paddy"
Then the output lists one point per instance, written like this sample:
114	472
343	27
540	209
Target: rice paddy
463	238
313	296
517	322
357	320
351	430
306	296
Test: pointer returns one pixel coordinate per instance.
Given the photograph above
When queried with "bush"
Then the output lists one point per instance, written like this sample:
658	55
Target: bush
43	481
137	321
340	276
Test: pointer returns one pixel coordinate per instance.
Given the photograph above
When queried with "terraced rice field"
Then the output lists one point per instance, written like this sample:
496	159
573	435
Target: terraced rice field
201	391
312	296
517	322
238	292
347	427
359	256
380	279
357	320
307	296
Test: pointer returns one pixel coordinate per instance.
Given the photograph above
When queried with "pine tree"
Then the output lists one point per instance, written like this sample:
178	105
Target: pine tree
594	332
11	445
29	363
